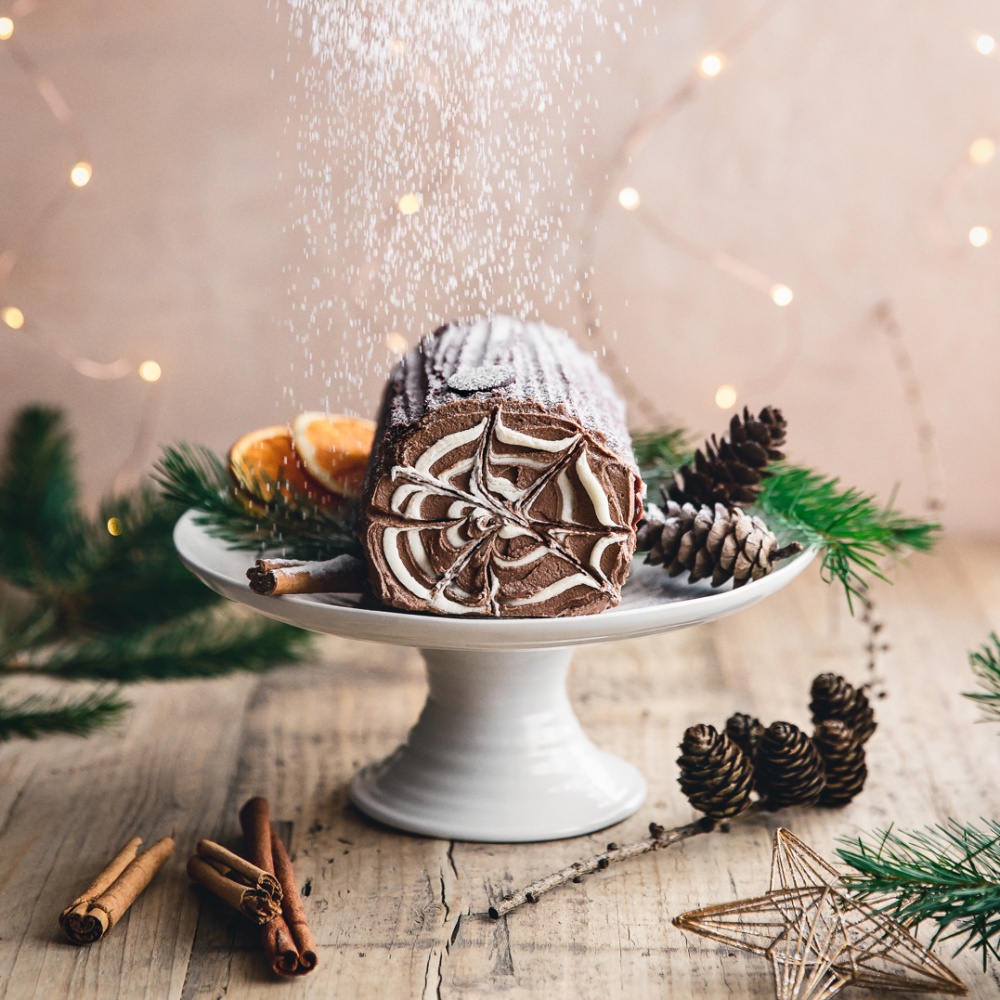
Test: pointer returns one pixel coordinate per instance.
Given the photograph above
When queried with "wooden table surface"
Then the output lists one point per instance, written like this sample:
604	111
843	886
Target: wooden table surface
403	916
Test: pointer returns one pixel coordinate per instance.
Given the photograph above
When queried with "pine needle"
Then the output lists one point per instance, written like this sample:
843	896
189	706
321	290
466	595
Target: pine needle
660	453
39	519
985	664
195	477
202	644
948	873
37	716
854	531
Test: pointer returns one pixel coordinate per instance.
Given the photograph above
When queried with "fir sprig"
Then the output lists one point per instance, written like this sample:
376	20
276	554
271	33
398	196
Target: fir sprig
201	644
195	477
985	663
81	602
853	530
948	874
660	453
36	716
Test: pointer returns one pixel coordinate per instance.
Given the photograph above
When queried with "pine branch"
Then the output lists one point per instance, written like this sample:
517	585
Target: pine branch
948	874
39	514
37	716
194	477
853	530
659	453
202	644
985	664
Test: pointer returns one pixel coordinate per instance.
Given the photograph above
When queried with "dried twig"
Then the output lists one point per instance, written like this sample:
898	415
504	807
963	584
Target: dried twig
658	839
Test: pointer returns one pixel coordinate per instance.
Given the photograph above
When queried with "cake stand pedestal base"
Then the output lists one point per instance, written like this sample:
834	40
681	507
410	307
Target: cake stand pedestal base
498	755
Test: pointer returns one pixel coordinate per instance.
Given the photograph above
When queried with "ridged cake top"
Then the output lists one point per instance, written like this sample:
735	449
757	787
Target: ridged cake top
513	360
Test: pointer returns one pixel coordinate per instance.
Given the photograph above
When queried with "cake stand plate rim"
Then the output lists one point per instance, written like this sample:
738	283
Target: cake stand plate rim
219	567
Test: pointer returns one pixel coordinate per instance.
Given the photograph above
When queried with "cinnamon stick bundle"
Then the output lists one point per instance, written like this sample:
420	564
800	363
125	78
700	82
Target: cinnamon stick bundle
343	574
102	904
243	885
287	940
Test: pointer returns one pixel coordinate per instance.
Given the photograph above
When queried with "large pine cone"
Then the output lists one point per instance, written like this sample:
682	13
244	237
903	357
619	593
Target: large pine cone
730	470
716	775
843	762
721	543
745	731
789	767
835	698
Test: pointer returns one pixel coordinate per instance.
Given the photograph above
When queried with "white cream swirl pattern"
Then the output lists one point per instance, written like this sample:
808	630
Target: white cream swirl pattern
478	506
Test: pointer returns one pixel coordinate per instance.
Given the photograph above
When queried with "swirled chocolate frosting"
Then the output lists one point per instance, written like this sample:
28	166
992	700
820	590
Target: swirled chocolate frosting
502	482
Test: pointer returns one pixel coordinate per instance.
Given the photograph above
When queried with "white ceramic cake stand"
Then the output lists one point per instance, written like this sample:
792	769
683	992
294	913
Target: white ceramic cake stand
497	754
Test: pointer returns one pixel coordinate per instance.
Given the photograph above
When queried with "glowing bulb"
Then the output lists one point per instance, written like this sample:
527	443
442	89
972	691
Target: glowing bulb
725	397
80	175
13	317
409	203
396	342
982	151
985	44
711	65
781	295
114	526
150	371
979	236
398	47
6	28
628	198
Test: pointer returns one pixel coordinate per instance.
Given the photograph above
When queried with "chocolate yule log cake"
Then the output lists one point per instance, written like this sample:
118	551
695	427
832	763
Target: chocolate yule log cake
502	480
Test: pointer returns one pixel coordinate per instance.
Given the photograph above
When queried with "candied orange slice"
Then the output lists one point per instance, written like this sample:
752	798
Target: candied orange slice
334	448
265	460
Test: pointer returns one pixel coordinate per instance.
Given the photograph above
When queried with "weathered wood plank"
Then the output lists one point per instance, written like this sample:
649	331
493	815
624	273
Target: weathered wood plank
402	916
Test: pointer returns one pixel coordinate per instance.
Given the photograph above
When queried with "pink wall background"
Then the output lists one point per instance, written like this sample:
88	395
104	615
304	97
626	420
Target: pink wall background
830	155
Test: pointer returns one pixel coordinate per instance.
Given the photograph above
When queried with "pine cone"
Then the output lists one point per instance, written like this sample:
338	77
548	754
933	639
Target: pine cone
789	767
730	471
647	533
843	762
716	776
745	731
724	543
835	698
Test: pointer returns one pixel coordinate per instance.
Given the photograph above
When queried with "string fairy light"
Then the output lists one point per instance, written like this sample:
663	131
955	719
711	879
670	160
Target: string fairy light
78	176
711	64
979	236
707	68
629	199
725	397
984	44
409	204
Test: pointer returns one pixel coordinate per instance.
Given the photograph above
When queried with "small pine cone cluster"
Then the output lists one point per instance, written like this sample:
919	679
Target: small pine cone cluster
835	698
844	766
730	470
789	767
716	776
783	764
719	543
745	731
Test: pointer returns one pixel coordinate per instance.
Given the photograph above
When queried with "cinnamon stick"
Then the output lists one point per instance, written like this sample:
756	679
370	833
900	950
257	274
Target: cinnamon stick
343	574
243	885
287	941
102	904
253	902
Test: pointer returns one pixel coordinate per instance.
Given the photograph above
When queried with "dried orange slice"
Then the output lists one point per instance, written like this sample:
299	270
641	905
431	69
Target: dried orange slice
334	448
265	460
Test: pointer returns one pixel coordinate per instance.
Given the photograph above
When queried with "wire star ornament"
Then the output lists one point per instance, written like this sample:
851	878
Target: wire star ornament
819	937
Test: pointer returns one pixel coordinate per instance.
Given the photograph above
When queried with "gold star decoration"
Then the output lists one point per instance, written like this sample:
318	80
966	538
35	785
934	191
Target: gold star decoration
819	937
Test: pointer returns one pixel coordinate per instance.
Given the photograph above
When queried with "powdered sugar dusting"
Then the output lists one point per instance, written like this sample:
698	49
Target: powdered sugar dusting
438	141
